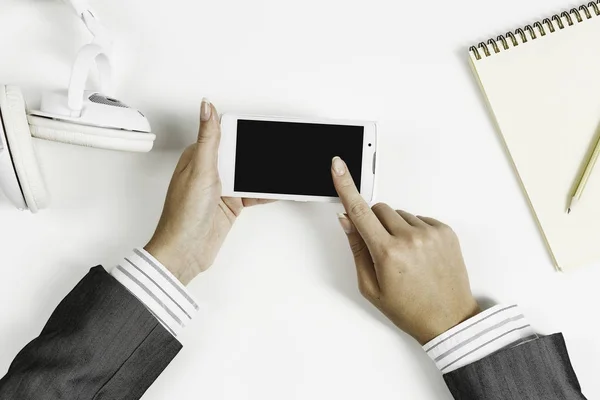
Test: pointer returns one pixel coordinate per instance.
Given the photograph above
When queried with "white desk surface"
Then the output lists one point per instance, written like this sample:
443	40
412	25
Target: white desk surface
280	316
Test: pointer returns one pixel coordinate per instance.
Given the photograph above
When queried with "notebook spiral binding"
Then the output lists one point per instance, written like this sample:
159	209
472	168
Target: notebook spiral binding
536	30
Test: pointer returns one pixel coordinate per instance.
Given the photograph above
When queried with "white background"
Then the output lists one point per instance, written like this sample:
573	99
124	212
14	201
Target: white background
280	316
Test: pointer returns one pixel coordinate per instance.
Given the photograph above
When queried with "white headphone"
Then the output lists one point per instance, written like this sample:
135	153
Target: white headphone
74	116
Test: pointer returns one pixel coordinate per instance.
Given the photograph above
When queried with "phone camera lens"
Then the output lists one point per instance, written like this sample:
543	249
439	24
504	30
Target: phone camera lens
369	144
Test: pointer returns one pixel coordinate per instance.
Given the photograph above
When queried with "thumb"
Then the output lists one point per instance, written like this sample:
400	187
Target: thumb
365	267
209	135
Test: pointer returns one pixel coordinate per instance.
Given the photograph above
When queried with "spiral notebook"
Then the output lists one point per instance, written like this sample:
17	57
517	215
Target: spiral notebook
542	85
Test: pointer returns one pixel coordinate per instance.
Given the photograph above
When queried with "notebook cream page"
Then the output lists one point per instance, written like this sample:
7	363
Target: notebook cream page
544	95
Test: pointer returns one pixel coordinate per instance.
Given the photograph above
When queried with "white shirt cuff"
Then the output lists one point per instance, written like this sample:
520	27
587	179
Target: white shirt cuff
162	294
492	330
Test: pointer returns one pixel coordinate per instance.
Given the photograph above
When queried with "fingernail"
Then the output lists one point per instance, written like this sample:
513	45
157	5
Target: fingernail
346	224
339	166
205	110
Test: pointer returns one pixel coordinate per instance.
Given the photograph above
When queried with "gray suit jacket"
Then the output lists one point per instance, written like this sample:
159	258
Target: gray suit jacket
102	344
537	370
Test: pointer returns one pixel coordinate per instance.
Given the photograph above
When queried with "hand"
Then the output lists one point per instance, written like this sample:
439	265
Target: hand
196	219
410	268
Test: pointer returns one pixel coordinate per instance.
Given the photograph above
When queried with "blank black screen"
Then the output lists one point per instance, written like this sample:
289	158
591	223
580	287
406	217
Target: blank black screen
294	158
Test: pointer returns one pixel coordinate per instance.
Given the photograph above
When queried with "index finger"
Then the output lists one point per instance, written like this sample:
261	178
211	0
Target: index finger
358	210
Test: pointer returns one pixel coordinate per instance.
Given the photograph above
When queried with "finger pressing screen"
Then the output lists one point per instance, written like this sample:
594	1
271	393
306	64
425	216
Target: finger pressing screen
356	207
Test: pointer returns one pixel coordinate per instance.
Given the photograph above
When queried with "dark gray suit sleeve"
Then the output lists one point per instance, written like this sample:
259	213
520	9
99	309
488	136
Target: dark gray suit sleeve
100	343
537	370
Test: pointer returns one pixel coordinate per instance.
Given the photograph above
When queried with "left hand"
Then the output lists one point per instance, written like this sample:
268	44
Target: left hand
196	219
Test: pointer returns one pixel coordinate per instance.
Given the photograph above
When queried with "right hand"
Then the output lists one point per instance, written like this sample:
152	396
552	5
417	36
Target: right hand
410	268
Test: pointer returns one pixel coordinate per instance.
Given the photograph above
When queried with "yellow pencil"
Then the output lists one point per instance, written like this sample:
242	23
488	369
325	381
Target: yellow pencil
585	177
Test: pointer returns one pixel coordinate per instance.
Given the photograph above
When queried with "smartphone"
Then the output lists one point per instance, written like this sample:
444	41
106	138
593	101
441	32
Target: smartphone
290	159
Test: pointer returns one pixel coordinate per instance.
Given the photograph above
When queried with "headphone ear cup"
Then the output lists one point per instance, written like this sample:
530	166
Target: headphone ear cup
21	148
9	183
89	136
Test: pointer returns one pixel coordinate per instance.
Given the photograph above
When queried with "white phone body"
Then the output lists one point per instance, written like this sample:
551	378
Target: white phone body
362	156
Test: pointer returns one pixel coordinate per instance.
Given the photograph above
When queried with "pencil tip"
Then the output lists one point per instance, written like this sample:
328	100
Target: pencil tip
569	211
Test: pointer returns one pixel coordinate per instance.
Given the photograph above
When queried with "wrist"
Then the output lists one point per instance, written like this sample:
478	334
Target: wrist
171	259
448	320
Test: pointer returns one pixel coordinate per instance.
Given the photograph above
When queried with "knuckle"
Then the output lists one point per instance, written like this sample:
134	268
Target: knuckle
418	240
203	140
357	247
390	254
359	209
345	183
207	137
